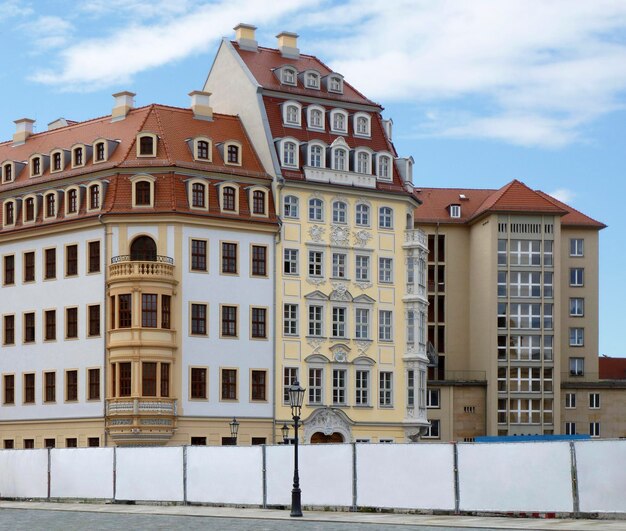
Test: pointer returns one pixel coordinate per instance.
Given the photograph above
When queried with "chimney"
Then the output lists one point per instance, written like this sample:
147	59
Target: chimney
23	129
124	102
200	105
57	124
244	36
388	127
288	45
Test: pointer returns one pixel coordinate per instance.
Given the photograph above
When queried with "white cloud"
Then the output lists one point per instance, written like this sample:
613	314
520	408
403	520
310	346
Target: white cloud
564	195
142	9
47	32
13	8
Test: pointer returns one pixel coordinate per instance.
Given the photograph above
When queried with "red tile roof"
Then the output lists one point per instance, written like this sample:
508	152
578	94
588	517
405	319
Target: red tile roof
514	197
612	368
263	62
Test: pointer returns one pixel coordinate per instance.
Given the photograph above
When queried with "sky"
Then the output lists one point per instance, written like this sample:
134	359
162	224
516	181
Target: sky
480	92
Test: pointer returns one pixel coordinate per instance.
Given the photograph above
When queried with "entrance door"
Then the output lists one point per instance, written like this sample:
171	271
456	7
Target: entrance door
320	438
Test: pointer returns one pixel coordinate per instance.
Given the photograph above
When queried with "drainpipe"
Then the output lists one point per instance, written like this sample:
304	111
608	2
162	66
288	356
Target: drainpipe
277	239
105	312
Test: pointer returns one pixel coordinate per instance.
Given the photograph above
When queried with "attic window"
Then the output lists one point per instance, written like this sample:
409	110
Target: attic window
146	145
57	161
312	80
35	167
100	151
78	159
455	211
7	173
288	76
335	84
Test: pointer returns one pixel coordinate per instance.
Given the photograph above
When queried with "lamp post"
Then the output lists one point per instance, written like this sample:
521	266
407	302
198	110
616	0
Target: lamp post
296	396
285	432
234	429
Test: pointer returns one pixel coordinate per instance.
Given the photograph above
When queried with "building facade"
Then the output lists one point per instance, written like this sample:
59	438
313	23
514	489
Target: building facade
350	276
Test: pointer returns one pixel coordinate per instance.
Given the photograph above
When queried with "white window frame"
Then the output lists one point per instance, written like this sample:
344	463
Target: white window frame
362	268
311	75
335	83
362	215
433	398
333	127
362	387
315	392
290	256
290	319
362	323
570	428
284	159
291	207
288	76
434	430
577	247
322	154
594	429
385	218
315	263
570	400
385	325
358	116
388	176
385	389
315	314
577	366
340	212
339	387
577	276
337	162
292	121
363	161
315	207
525	253
576	336
594	400
290	375
309	117
455	211
340	265
577	307
385	270
339	316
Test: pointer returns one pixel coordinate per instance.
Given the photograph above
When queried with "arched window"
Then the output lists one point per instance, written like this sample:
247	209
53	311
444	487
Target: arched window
198	194
258	202
335	84
316	156
362	125
228	198
72	201
292	115
8	173
35	166
146	145
203	150
142	193
9	213
340	159
384	167
312	80
50	206
339	121
143	249
362	214
232	154
56	162
99	148
78	156
316	210
363	162
385	218
94	197
288	76
289	154
316	117
290	207
340	212
29	210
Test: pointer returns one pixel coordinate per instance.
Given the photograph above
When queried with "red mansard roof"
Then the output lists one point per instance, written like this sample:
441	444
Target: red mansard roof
514	197
263	62
612	368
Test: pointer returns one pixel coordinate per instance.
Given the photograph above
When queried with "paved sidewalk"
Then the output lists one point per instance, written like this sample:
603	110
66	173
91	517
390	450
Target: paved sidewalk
242	518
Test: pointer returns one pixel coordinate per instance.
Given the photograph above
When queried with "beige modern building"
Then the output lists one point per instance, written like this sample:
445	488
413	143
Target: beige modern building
513	309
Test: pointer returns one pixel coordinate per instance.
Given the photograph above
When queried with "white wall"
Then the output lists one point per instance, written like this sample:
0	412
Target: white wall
532	477
149	474
411	476
325	474
23	473
231	474
601	467
81	473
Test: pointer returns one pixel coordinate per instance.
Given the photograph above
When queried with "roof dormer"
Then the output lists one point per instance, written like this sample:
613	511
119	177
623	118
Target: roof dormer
455	210
311	79
287	75
334	83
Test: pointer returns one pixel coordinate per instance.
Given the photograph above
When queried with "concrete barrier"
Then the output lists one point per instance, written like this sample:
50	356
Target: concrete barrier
24	473
81	473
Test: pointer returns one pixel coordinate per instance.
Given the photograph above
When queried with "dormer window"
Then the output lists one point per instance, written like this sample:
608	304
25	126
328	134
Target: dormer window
363	162
315	117
233	153
51	210
338	121
288	76
258	202
94	197
312	80
100	150
317	156
35	167
198	195
77	156
9	213
455	211
335	84
143	190
146	145
229	199
29	209
72	201
362	124
290	153
340	159
384	167
203	149
57	161
7	173
291	113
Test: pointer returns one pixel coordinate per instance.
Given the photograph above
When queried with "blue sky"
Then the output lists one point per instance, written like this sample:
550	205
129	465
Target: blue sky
480	92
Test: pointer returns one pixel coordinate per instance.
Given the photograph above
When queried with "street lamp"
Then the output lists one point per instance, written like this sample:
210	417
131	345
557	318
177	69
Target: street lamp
296	396
285	431
234	429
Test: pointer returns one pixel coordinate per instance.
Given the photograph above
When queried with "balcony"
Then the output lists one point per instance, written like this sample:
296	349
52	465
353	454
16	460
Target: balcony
345	178
132	421
415	238
124	268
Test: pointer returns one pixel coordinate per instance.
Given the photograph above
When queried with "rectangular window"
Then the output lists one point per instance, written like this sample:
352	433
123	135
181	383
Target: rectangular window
229	258
525	252
290	375
576	276
125	310
433	398
339	265
29	327
259	260
198	255
29	267
93	442
93	390
410	388
125	378
259	323
361	323
198	319
290	319
29	444
259	385
9	389
165	379
50	270
576	306
165	311
594	429
502	261
94	320
570	400
149	378
525	284
362	268
385	395
71	260
229	321
316	261
339	322
385	270
9	270
576	247
339	387
148	310
525	316
316	320
384	325
570	428
71	386
29	388
50	325
577	366
198	383
229	384
361	388
93	263
316	379
9	329
594	400
576	337
71	323
290	261
434	430
50	387
198	441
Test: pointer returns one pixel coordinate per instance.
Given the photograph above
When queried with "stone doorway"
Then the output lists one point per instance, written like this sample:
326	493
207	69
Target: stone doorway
322	438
